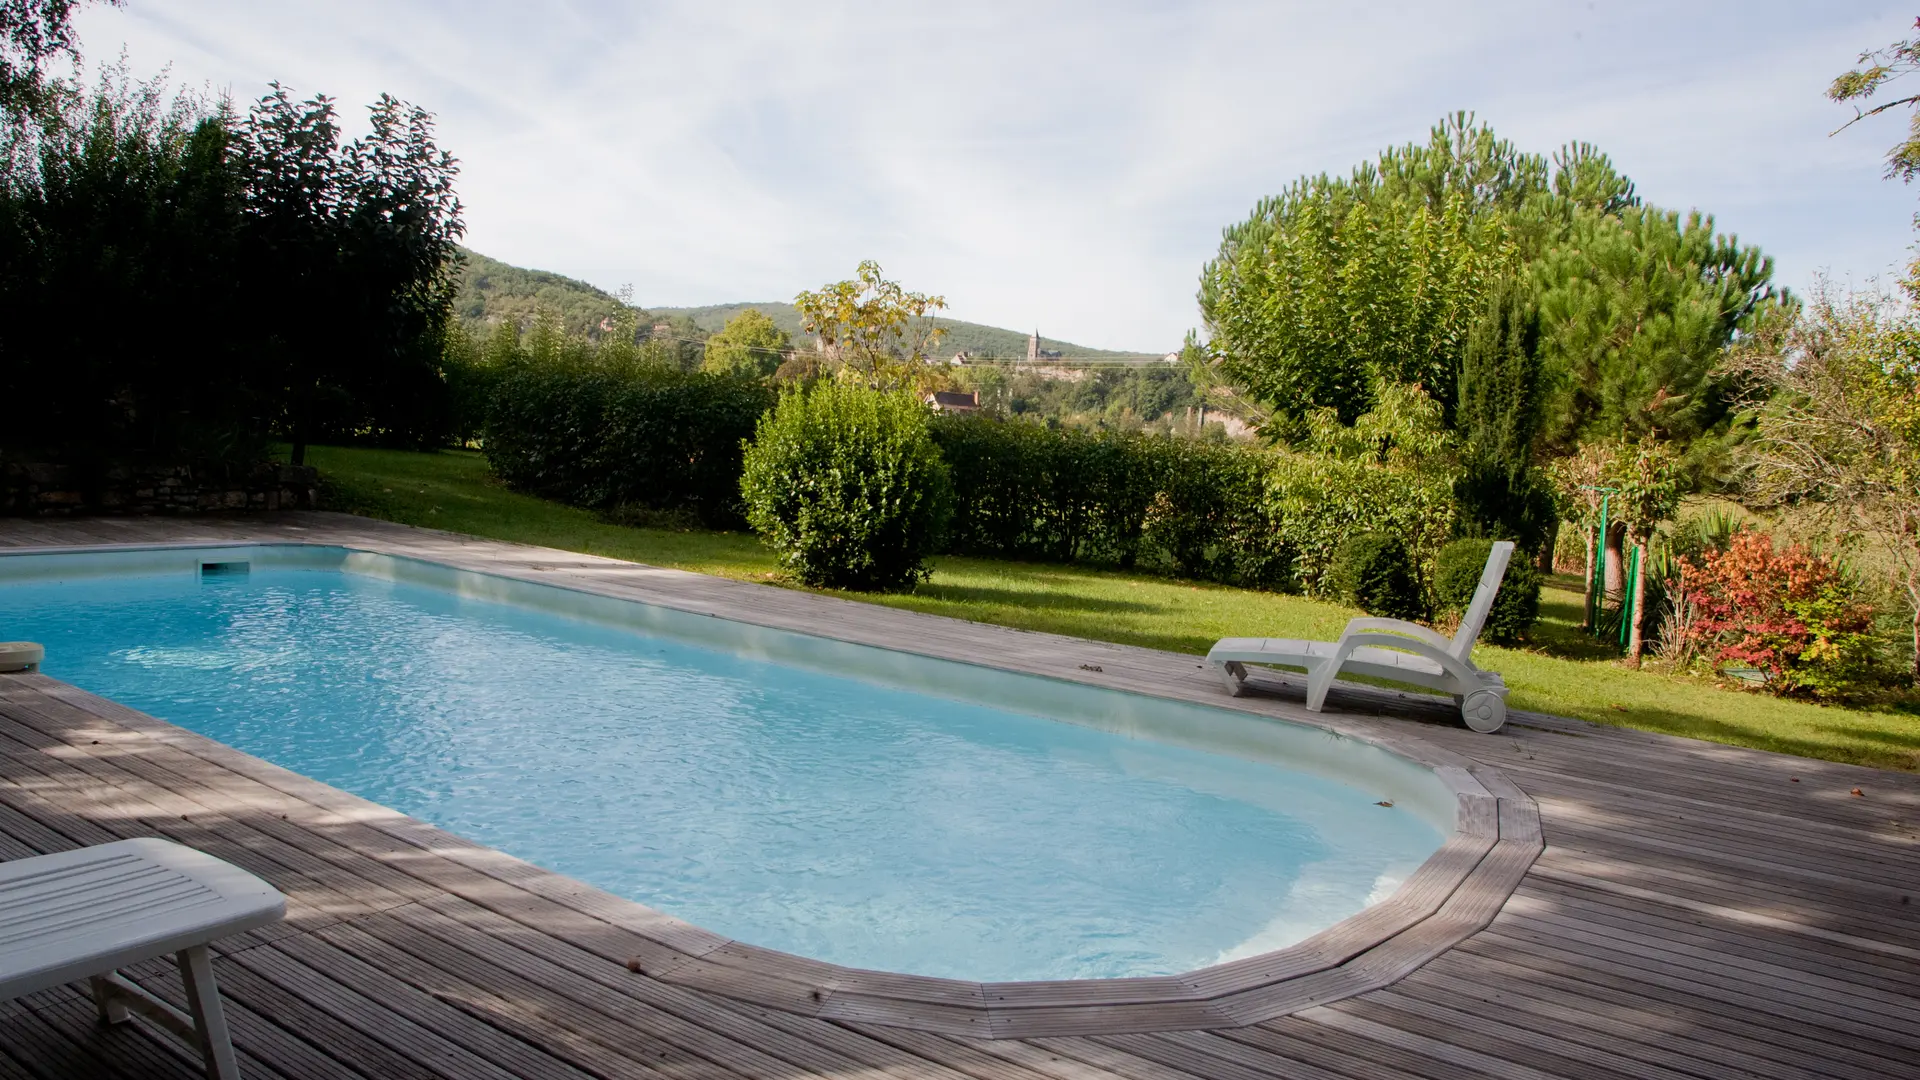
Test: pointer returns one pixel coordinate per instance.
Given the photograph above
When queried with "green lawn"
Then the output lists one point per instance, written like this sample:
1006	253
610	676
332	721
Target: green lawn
1564	673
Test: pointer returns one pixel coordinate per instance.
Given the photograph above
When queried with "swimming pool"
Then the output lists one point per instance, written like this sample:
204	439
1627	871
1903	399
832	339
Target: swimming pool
856	805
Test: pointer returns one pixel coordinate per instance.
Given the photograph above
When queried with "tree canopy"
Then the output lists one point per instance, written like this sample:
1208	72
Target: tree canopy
750	344
873	329
177	281
1337	284
1876	69
31	33
1638	308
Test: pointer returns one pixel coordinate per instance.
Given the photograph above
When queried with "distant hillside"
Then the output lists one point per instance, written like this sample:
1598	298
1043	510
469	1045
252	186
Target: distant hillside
973	338
491	290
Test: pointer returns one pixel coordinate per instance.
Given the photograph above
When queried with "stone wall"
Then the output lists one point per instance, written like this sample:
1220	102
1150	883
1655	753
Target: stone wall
39	490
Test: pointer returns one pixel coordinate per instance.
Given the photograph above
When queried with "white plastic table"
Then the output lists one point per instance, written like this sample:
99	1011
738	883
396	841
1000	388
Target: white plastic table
85	914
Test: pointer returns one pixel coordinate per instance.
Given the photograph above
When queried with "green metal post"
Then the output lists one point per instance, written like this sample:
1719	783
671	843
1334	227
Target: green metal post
1597	593
1627	613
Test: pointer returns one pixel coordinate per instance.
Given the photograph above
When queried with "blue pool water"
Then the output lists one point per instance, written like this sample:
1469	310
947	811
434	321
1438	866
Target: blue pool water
827	816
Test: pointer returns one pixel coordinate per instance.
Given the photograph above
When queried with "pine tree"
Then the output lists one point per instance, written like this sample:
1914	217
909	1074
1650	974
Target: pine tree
1500	491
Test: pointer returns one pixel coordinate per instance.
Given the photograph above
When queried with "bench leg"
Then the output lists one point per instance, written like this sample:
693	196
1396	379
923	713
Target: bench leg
209	1023
112	1009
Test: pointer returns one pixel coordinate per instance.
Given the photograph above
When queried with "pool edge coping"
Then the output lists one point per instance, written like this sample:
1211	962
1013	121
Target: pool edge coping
1455	892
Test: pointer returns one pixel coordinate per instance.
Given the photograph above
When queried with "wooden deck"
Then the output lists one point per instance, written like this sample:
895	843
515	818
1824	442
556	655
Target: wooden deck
1698	911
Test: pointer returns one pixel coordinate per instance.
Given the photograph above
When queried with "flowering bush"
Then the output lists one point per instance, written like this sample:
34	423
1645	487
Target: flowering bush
1788	613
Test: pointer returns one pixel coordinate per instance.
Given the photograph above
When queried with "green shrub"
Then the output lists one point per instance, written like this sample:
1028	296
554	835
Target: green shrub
647	437
848	486
1316	502
1516	607
1375	572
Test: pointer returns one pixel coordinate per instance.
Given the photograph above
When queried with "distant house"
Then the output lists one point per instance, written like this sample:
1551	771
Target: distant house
953	401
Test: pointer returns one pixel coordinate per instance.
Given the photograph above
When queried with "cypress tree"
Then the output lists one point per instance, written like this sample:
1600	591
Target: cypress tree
1500	492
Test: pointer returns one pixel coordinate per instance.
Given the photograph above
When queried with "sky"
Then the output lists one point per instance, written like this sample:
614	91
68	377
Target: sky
1052	165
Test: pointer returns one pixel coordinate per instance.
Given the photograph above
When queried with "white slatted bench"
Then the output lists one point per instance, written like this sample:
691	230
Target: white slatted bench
85	914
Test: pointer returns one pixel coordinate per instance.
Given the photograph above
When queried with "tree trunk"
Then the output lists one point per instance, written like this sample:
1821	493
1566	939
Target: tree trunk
1916	645
1586	594
1635	644
1553	542
1616	564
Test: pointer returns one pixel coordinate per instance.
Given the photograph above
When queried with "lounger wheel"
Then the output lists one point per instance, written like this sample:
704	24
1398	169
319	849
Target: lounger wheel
1235	674
1485	711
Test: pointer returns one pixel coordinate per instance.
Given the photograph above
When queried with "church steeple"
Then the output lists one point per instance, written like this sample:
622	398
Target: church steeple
1033	347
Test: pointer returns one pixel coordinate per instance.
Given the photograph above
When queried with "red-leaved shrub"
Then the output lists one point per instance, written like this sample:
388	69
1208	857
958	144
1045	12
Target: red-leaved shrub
1786	612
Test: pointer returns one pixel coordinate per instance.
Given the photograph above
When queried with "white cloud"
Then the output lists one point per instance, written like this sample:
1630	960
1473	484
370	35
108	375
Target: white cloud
1066	165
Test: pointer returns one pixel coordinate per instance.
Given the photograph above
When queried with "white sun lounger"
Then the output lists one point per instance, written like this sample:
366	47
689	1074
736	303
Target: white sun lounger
1390	649
85	914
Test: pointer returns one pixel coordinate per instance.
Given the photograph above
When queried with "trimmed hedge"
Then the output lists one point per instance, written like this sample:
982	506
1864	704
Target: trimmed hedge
1516	607
1056	494
1235	513
1193	509
651	437
847	486
1375	572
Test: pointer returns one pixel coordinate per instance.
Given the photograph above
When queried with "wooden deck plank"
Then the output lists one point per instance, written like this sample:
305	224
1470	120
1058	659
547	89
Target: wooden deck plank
1694	984
1503	973
1695	913
1639	1032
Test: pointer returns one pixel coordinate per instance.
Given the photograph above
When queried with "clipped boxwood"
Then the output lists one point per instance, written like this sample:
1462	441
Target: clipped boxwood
1374	572
848	487
1516	607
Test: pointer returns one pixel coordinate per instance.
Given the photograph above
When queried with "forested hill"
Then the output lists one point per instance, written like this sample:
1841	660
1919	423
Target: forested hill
491	290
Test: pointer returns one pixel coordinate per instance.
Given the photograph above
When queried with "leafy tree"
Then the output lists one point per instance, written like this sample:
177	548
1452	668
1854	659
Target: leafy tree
119	219
31	33
1576	481
1638	308
1878	68
1838	435
1501	492
367	231
1337	283
875	330
750	344
1645	479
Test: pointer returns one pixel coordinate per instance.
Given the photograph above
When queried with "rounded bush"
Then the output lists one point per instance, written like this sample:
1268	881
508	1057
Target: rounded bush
1374	572
1516	607
848	487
